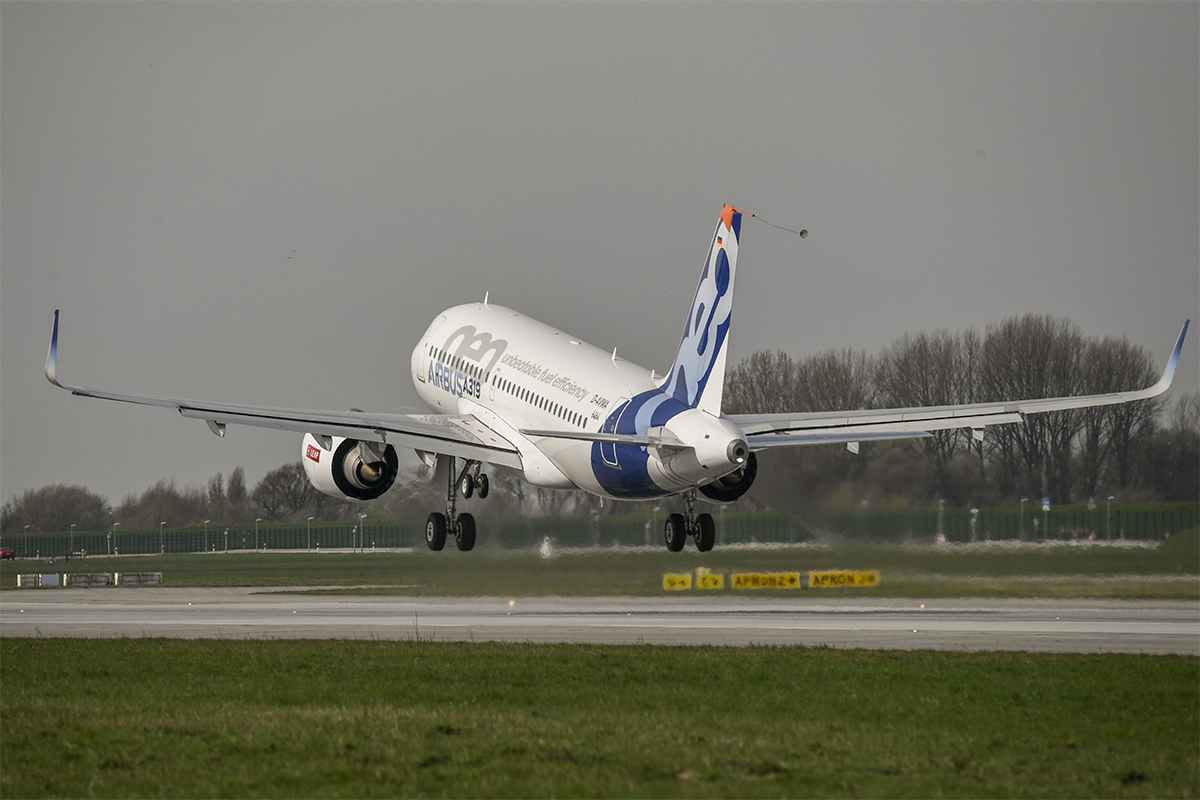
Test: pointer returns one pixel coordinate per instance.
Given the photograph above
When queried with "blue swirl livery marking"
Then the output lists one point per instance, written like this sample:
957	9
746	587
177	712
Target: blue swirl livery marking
708	322
623	469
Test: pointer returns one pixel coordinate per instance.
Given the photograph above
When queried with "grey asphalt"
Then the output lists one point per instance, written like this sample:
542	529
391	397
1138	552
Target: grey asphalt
1093	626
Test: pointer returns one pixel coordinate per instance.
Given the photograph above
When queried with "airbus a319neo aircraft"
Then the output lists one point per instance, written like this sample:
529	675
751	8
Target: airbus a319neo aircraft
509	391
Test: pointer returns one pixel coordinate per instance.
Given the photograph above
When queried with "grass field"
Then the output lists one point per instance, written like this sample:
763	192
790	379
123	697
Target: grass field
1168	571
167	718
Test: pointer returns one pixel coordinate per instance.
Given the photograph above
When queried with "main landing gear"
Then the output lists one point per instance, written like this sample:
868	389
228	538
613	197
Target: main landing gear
470	481
699	526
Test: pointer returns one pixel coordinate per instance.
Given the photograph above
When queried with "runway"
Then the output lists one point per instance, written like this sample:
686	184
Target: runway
1091	626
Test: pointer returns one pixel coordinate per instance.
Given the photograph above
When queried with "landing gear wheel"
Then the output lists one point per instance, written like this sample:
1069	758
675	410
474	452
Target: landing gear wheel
467	487
482	486
435	531
706	533
464	532
675	532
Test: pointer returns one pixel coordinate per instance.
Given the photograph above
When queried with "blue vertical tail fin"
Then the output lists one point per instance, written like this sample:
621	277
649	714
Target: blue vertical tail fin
697	377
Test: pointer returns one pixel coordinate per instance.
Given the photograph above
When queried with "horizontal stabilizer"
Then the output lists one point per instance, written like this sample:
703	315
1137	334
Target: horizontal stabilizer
610	438
765	441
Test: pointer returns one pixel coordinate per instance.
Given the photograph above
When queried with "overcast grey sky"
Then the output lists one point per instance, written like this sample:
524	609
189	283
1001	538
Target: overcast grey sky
268	202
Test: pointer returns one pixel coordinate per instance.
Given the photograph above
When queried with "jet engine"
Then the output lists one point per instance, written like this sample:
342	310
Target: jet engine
733	485
348	468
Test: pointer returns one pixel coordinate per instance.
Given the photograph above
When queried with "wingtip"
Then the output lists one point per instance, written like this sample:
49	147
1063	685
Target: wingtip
1173	362
52	355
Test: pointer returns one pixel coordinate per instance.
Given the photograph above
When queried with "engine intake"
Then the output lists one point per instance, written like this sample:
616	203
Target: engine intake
732	486
350	468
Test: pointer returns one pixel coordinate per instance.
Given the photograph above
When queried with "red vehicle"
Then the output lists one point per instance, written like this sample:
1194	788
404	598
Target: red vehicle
7	552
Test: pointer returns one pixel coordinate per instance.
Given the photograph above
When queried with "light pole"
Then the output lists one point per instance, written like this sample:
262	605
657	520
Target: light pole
71	543
258	520
162	548
206	534
227	540
362	533
310	519
116	549
1109	515
1024	500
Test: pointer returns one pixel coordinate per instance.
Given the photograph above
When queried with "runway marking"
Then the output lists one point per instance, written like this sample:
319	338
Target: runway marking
1071	625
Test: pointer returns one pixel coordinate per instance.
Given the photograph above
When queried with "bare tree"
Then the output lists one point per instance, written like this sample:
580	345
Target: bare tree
1029	357
835	380
217	503
1171	457
924	370
1185	414
1108	434
763	383
236	497
163	502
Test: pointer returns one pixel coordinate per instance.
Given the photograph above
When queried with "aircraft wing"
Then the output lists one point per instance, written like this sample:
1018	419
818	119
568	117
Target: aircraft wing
462	436
777	430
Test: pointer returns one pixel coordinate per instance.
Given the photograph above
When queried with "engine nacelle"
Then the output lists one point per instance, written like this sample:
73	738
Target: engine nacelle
349	468
733	485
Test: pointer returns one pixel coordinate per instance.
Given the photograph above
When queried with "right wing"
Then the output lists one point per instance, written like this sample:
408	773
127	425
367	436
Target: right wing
779	430
462	436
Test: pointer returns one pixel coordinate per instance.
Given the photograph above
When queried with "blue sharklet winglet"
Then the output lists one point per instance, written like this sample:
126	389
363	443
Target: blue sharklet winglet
52	355
1173	362
1168	375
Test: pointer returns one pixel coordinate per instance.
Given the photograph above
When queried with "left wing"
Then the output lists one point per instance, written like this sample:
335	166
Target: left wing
462	436
778	430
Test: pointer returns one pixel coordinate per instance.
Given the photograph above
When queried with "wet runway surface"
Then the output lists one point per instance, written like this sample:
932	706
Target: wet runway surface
1110	626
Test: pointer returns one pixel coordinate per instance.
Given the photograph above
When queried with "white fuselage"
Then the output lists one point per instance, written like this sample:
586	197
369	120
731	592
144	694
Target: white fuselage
514	373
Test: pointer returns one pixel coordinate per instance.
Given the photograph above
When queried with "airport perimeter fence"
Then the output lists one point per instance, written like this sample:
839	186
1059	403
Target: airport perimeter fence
630	530
1141	521
239	538
636	529
1136	521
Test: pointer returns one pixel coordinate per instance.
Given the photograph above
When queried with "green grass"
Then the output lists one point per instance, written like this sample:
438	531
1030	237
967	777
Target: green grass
1165	572
170	718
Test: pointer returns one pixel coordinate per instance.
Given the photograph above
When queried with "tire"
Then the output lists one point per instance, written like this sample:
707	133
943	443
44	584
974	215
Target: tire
435	531
464	532
675	532
467	486
484	486
707	535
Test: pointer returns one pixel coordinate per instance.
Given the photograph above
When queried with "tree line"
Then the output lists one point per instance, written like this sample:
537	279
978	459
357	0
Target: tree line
1144	450
283	493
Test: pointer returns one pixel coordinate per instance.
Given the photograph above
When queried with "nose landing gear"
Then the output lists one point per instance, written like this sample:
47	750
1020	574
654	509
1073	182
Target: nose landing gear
699	526
469	481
